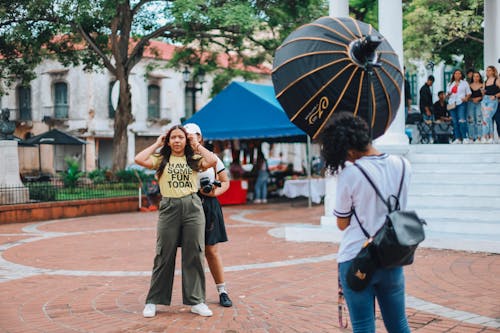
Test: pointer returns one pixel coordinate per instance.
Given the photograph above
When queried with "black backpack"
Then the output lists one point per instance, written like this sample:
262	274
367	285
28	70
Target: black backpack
395	242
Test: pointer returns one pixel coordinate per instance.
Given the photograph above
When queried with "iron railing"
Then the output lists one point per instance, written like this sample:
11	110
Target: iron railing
55	190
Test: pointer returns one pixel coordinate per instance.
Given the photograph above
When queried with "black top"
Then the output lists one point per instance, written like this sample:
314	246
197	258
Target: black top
440	110
425	98
476	93
492	89
407	91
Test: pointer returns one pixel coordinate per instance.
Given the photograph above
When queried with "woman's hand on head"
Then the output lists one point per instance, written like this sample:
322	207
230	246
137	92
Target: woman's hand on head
160	141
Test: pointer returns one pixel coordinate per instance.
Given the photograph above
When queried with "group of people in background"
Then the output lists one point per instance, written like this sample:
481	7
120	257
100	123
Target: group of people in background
470	104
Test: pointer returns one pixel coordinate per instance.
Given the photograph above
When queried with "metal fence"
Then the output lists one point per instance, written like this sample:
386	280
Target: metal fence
56	191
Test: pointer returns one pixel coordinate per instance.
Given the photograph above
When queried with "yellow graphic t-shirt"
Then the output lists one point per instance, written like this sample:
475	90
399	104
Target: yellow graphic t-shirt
178	179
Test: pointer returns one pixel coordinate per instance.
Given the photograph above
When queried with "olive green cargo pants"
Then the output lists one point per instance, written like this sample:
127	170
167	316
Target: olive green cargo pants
180	219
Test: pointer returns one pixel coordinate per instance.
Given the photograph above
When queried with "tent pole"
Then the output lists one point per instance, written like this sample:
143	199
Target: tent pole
39	161
309	181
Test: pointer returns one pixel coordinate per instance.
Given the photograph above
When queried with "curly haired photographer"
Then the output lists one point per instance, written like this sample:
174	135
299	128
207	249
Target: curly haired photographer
213	182
346	140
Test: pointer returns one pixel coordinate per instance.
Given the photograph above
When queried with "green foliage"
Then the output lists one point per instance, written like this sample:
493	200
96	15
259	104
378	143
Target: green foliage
72	174
439	30
365	10
113	34
99	176
42	191
131	176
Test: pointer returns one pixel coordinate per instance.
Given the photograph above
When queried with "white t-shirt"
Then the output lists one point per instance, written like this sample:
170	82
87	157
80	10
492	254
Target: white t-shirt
354	190
210	172
463	89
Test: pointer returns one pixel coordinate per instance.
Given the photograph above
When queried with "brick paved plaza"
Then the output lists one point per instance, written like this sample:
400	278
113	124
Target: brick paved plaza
92	274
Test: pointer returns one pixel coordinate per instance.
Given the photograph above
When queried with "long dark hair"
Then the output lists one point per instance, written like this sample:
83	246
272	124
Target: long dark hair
166	151
453	75
344	132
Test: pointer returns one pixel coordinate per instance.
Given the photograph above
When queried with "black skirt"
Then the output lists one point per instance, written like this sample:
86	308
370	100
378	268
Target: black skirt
215	230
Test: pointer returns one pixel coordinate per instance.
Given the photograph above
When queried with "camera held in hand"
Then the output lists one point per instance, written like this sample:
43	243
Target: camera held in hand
207	186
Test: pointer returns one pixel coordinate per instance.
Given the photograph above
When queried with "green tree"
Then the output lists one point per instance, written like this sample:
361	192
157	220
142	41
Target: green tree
113	34
441	29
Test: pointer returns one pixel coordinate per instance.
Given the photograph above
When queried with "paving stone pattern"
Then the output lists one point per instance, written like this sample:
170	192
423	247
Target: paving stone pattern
91	274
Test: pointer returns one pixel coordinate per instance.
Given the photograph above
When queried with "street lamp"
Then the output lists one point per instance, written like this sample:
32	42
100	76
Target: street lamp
191	85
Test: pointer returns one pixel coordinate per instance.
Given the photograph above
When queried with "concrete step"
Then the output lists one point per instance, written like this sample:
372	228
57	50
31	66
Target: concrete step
455	149
462	226
451	202
474	169
483	158
443	177
422	188
469	215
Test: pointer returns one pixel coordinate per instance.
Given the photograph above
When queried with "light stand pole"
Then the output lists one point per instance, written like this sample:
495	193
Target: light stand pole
191	85
363	52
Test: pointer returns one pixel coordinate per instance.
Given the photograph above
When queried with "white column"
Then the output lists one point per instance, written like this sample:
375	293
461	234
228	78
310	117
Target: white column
391	27
131	145
491	33
339	8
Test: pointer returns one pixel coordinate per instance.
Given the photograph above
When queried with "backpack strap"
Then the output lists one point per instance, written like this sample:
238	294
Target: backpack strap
367	235
386	202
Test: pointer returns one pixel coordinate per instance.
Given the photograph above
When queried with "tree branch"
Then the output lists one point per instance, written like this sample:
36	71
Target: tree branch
138	50
96	49
479	40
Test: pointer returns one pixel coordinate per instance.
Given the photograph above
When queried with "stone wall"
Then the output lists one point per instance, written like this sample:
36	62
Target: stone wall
65	209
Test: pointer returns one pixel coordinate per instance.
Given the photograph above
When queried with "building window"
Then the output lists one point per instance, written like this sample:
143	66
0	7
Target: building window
111	109
24	102
153	102
61	100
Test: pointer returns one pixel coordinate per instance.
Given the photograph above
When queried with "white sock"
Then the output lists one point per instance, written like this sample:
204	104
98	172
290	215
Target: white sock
221	288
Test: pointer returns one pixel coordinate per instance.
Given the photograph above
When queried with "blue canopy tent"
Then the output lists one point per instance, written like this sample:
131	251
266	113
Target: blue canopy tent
246	111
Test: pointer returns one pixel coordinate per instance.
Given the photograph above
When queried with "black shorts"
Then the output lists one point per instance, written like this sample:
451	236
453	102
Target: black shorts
215	230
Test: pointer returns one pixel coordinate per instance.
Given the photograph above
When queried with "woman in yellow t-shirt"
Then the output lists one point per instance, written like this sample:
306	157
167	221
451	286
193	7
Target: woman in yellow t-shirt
181	218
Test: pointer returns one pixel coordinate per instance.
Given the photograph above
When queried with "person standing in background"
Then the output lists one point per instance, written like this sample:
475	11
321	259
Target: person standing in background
215	229
474	115
470	75
425	104
262	171
489	103
407	96
458	93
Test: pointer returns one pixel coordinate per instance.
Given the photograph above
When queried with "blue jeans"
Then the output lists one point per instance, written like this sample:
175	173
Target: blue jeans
261	185
489	108
388	286
474	120
458	117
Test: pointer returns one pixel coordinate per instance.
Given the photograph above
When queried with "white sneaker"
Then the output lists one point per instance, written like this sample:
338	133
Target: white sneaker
149	311
490	140
201	309
257	201
264	200
483	140
456	141
466	141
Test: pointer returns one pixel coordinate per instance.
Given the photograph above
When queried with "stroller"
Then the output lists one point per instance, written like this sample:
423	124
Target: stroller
443	132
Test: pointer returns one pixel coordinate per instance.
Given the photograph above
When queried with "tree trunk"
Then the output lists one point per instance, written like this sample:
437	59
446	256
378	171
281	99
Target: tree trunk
123	117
